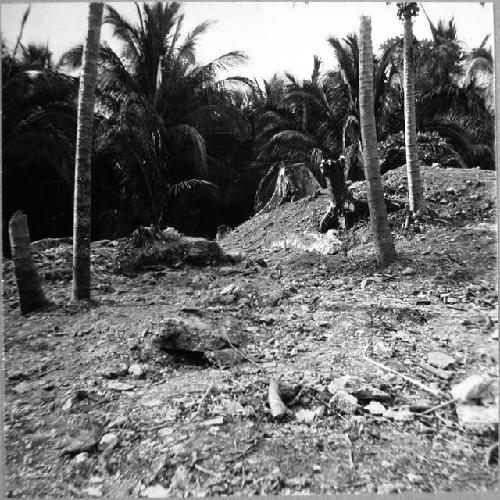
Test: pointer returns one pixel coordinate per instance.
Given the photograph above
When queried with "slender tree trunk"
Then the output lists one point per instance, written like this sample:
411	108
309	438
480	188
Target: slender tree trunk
384	244
31	296
415	187
82	198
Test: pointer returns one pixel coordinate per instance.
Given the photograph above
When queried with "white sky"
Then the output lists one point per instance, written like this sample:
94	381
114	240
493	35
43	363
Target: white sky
276	36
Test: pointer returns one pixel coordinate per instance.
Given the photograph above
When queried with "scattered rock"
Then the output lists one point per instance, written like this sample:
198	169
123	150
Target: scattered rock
473	389
81	458
93	491
407	271
156	491
440	360
346	383
115	371
399	415
477	416
109	440
308	416
382	350
23	387
214	421
136	370
120	386
344	402
375	408
180	479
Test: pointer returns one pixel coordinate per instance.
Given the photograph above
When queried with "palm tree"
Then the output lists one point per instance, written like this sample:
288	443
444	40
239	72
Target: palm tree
384	244
415	188
346	52
82	200
163	110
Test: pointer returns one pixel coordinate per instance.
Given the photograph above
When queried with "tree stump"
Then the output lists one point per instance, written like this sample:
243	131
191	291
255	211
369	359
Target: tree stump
31	296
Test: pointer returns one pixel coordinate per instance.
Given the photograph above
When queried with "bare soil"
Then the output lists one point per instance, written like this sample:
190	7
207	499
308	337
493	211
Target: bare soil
307	319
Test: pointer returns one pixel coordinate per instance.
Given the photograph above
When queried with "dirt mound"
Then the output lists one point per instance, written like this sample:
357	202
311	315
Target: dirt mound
458	195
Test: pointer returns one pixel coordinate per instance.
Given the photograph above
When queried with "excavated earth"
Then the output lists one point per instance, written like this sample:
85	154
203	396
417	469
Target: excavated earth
94	408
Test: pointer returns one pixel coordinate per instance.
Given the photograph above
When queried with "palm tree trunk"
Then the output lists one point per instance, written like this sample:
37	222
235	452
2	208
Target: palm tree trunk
31	296
415	188
82	198
384	244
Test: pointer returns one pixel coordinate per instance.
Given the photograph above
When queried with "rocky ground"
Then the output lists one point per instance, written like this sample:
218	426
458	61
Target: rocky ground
95	408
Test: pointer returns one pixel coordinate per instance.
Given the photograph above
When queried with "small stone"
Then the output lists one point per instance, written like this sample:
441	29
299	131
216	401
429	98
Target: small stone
308	416
156	491
81	458
382	350
120	386
23	387
440	360
344	383
344	402
136	370
229	289
316	468
375	408
472	389
94	492
407	271
152	403
109	440
165	432
95	480
399	415
213	421
477	416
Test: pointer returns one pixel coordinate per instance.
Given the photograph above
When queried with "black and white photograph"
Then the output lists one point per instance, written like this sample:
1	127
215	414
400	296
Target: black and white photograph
249	249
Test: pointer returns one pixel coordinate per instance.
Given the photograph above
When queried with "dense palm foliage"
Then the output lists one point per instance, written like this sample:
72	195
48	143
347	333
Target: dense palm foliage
160	109
178	142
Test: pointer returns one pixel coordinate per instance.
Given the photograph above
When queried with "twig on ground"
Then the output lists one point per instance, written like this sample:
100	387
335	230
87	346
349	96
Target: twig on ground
237	351
435	371
207	392
439	406
426	388
206	471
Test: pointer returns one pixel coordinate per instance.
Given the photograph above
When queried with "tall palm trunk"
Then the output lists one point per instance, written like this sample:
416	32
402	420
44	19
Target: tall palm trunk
82	199
415	188
384	244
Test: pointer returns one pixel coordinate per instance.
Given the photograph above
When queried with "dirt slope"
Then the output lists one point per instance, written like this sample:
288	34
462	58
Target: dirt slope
307	319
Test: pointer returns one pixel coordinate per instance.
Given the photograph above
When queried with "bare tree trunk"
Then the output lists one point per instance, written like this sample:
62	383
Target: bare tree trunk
415	188
31	296
82	198
384	244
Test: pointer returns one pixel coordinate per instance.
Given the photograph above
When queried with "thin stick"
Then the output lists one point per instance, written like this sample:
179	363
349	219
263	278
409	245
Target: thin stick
430	390
206	471
237	351
442	405
201	403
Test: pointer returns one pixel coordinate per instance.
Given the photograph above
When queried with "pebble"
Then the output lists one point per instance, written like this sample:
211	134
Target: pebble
375	408
109	440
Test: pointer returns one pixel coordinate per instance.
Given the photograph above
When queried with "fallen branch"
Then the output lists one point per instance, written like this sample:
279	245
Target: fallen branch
237	351
207	392
437	407
278	408
426	388
435	371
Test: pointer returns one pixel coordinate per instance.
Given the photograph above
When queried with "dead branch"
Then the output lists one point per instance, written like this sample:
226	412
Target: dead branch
426	388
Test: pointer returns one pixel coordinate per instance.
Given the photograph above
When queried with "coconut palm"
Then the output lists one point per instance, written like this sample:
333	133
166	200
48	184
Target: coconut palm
406	11
346	52
163	109
384	244
82	200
